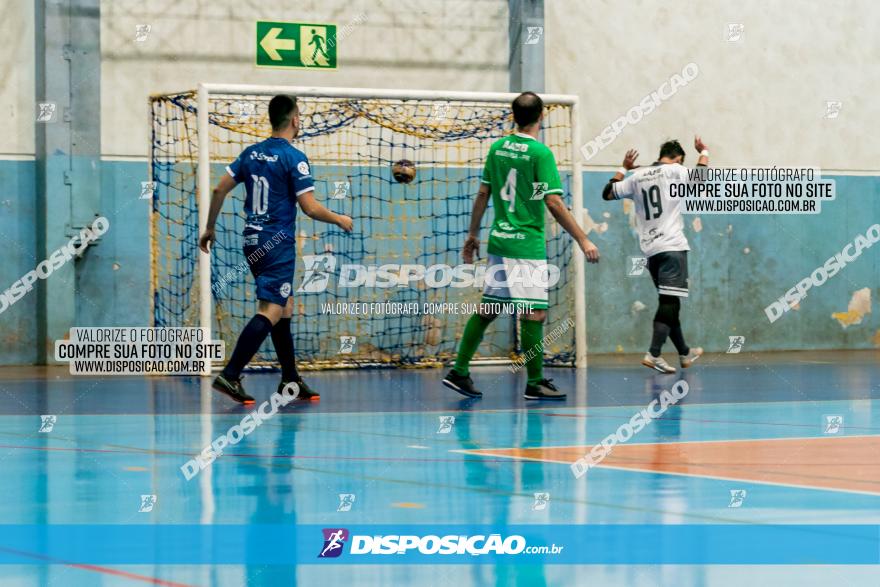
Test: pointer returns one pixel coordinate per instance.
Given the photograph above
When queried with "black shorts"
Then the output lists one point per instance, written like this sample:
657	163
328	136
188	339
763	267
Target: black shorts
669	270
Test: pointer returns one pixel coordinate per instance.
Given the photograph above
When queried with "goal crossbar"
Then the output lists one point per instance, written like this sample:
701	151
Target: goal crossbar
378	93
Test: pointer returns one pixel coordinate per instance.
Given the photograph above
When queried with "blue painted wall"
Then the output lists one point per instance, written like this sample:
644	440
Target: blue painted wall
729	287
114	281
18	323
112	277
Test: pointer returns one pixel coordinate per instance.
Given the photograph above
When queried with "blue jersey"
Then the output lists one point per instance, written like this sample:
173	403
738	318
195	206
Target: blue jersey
275	174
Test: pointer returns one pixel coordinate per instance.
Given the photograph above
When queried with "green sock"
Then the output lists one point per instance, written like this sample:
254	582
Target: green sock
470	341
531	336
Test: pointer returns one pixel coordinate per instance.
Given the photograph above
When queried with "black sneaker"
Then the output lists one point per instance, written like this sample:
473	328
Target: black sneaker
232	388
543	390
305	392
462	384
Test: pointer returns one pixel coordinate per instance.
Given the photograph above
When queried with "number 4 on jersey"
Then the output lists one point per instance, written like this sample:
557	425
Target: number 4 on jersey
508	192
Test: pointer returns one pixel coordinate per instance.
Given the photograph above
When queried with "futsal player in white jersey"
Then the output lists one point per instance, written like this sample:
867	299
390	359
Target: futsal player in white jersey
661	236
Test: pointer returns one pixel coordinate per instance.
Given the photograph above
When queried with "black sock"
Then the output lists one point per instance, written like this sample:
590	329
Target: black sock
283	342
677	338
661	331
664	321
675	333
249	342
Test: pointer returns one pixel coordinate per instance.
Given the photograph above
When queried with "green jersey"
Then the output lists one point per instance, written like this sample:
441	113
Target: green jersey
520	171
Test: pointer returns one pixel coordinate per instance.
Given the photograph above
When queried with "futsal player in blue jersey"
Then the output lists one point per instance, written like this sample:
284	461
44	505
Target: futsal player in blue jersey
277	177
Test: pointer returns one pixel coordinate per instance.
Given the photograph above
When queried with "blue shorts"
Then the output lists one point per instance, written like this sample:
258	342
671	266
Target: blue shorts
272	261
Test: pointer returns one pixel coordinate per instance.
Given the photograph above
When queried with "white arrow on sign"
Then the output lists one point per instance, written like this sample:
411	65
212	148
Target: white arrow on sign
271	44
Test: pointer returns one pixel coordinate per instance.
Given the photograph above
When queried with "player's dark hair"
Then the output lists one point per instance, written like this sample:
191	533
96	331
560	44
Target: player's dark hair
281	109
671	149
527	109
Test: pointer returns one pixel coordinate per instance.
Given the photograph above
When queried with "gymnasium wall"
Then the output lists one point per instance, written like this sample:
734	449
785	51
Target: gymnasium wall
758	101
17	188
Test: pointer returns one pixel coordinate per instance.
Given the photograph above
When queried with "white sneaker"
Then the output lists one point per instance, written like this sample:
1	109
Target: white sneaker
657	363
688	359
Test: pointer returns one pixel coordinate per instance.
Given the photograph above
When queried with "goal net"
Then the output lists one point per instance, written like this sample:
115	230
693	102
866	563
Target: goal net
352	139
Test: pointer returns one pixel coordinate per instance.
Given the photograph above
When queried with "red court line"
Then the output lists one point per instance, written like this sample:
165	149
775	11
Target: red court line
98	569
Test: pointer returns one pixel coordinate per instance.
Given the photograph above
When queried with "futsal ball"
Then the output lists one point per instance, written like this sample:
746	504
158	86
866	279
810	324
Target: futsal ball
404	171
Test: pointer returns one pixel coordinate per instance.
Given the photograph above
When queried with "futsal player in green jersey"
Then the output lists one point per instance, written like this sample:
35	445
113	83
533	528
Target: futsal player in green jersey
521	177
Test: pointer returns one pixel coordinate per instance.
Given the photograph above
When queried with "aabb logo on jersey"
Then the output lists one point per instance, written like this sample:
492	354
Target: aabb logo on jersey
334	540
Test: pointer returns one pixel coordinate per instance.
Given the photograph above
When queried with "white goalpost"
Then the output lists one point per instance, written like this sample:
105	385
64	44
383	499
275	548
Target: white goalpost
350	136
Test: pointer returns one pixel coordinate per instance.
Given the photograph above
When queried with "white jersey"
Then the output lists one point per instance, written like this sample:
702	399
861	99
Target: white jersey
658	216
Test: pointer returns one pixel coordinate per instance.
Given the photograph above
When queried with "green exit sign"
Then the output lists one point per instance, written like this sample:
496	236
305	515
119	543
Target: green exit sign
296	44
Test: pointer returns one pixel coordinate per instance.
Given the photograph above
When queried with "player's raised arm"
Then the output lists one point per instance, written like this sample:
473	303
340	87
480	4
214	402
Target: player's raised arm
703	150
629	163
472	242
224	186
314	210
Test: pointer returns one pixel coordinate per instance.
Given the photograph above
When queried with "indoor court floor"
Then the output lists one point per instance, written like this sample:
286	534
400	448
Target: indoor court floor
759	440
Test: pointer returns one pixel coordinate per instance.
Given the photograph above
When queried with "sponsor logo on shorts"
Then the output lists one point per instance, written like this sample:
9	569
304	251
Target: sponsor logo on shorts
285	290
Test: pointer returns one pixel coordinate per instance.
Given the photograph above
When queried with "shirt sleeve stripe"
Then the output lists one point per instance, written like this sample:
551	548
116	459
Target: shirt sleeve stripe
229	171
304	190
614	190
